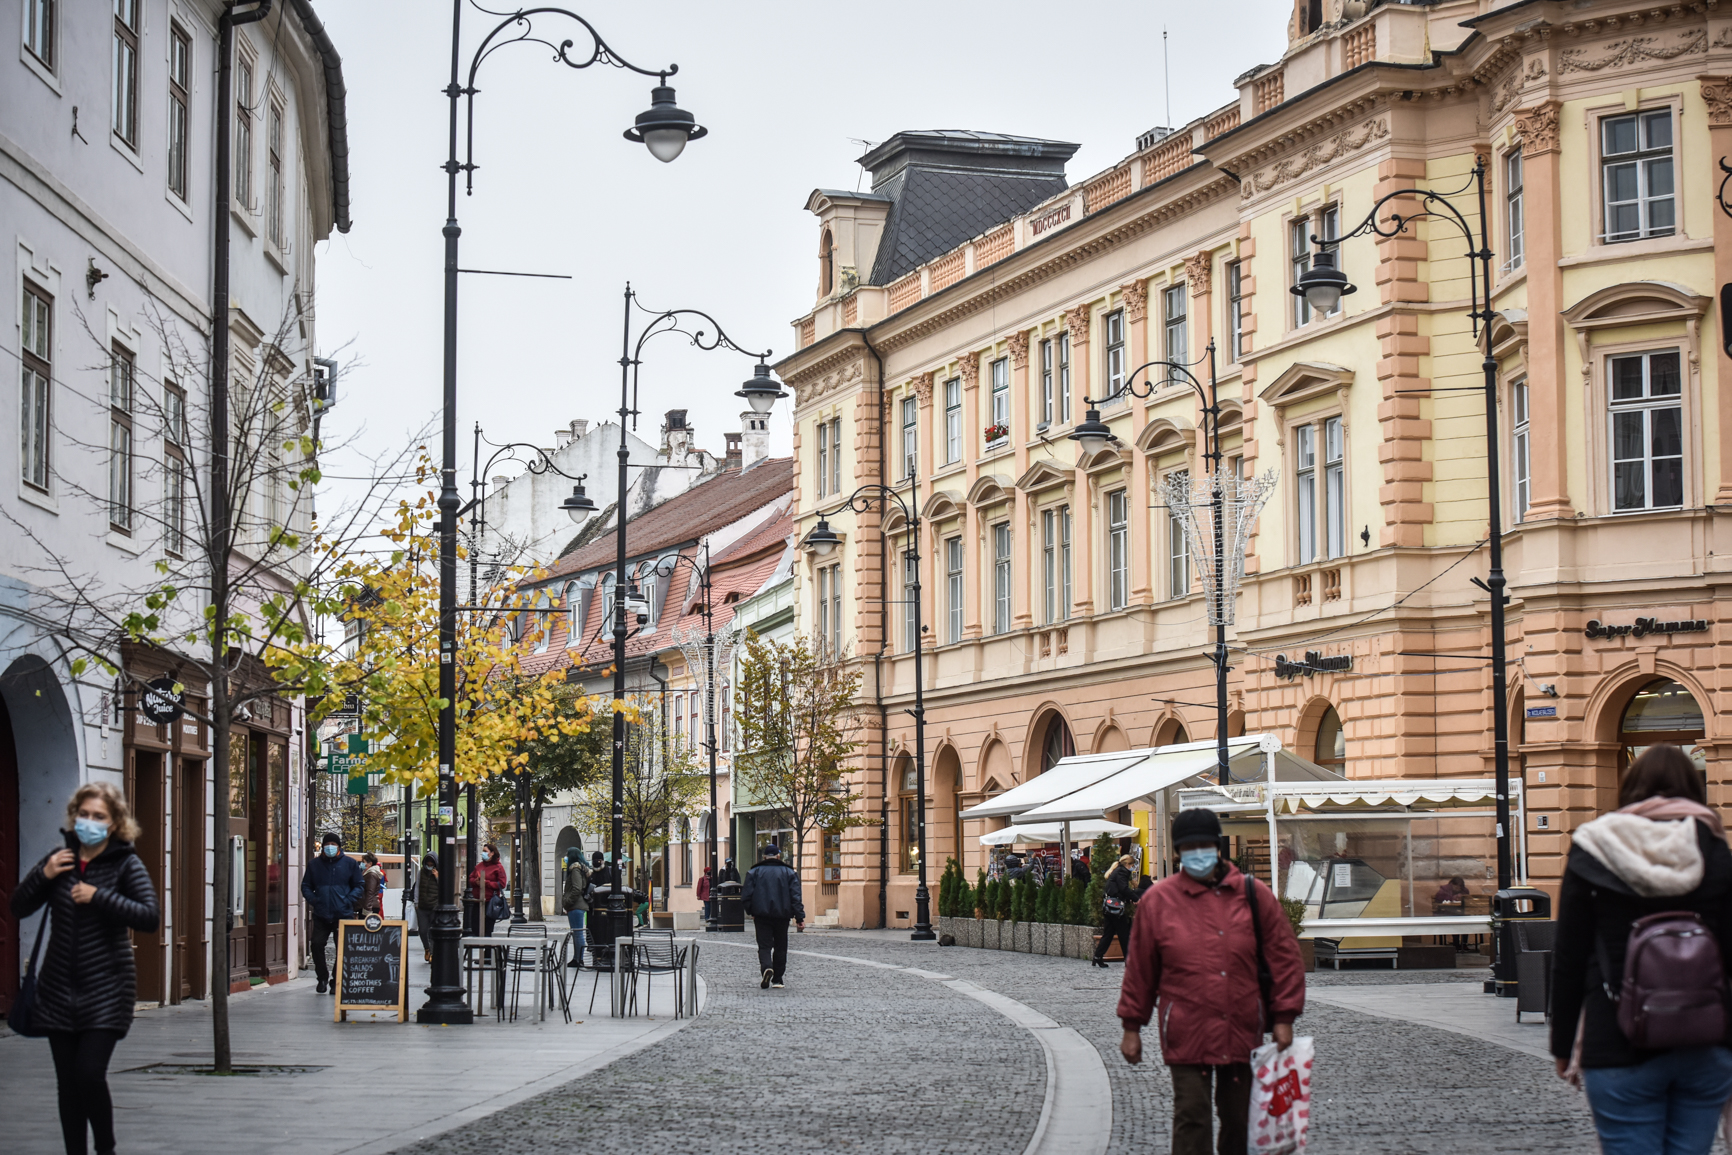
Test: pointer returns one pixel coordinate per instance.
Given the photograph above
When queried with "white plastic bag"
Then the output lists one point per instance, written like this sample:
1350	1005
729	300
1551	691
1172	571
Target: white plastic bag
1281	1097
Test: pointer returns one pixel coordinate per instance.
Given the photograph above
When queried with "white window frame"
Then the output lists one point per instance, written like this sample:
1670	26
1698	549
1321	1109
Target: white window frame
1173	324
1118	549
1515	224
41	32
1646	163
122	452
245	77
953	421
1002	544
36	388
1521	451
1334	439
910	579
1647	405
835	455
123	62
1000	370
1064	378
1305	491
276	196
1046	372
1113	333
910	438
953	562
1178	552
1235	278
823	455
1325	222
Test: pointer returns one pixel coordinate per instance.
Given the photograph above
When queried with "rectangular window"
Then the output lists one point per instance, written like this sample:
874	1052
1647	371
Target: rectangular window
274	161
174	503
1636	174
953	421
1178	555
1512	207
823	457
1001	396
123	71
179	104
1325	224
679	718
1001	578
1305	472
1647	431
243	132
835	455
953	585
1046	409
1064	569
1334	488
1519	465
1049	565
910	437
822	606
1115	328
1064	378
1118	549
120	398
1236	310
39	17
1173	313
38	373
910	591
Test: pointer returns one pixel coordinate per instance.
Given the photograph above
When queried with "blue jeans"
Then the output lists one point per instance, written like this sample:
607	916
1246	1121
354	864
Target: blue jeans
1669	1105
575	918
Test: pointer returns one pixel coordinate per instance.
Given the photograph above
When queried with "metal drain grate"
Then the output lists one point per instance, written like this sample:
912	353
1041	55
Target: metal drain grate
238	1070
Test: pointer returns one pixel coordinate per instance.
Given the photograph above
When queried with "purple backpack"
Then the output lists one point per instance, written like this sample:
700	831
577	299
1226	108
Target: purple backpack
1674	989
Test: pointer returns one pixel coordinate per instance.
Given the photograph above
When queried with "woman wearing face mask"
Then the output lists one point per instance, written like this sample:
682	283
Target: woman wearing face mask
486	881
1193	954
96	890
332	886
1115	909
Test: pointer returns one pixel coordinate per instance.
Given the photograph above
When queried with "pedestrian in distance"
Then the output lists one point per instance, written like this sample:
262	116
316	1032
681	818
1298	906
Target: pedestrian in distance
575	899
730	872
487	882
772	897
332	886
96	891
372	885
1213	954
427	901
703	893
1654	1058
1116	909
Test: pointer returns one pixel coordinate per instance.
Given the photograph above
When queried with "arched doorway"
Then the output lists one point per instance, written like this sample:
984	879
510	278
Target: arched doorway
947	806
1056	743
908	813
10	867
1171	733
1662	712
1330	748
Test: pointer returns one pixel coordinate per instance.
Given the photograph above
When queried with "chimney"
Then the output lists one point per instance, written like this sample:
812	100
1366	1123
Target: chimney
754	438
561	438
733	459
579	427
676	436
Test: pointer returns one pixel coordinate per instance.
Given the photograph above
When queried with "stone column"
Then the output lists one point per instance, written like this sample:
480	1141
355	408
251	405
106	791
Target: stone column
1022	540
1136	302
1548	387
1083	543
1405	432
1717	95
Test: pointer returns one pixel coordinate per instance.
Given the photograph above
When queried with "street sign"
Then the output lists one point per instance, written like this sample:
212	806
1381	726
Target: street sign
1542	711
344	763
361	783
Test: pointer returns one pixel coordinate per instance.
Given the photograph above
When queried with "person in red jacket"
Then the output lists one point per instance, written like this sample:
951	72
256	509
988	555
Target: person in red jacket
1193	955
487	879
704	893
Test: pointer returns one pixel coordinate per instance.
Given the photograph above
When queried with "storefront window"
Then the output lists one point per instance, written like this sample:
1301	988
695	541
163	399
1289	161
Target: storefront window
239	762
1662	713
1058	744
1331	748
276	832
911	824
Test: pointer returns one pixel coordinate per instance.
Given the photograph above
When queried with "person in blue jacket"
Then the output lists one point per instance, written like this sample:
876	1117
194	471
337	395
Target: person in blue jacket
331	884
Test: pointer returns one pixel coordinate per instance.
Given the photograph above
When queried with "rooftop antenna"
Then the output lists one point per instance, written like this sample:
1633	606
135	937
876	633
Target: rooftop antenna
868	145
1166	74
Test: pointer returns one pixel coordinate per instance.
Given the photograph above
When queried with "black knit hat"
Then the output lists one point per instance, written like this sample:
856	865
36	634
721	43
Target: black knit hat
1195	826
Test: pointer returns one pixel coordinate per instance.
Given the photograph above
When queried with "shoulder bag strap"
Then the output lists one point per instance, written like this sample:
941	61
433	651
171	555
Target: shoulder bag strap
1265	980
36	951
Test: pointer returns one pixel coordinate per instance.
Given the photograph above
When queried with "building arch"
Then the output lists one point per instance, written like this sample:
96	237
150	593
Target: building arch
826	263
1109	738
1610	712
1314	720
1169	731
945	833
1042	719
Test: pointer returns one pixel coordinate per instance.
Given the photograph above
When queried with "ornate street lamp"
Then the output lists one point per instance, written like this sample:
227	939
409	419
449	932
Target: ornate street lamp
658	129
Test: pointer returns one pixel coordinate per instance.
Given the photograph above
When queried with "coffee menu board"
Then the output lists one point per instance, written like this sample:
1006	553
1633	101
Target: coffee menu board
372	966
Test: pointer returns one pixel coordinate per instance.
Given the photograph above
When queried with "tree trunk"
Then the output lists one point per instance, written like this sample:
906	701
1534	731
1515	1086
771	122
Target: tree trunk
532	861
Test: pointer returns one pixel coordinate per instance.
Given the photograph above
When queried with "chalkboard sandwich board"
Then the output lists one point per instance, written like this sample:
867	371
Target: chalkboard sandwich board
372	966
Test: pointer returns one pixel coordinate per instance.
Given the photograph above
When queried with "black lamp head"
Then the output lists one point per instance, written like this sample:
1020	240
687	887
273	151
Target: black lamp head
666	127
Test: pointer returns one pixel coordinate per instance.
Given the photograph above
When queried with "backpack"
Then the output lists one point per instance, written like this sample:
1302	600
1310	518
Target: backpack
1674	987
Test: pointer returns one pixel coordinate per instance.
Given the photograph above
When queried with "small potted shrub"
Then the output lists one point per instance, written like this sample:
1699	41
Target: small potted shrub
998	431
1296	917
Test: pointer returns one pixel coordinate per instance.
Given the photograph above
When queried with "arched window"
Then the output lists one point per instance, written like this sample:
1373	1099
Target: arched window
909	780
826	264
1331	748
1662	713
685	851
1057	744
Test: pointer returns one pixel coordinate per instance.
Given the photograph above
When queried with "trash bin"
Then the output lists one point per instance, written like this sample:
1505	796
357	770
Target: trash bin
730	908
1516	905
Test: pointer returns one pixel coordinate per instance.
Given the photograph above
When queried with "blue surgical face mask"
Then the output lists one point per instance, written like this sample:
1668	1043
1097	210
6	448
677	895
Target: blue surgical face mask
1200	862
331	850
90	831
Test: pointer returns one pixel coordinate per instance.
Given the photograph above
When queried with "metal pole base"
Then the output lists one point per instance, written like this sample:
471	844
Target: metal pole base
923	915
447	999
923	934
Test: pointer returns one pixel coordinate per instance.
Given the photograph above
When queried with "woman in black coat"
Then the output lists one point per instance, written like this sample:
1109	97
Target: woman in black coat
1117	891
97	891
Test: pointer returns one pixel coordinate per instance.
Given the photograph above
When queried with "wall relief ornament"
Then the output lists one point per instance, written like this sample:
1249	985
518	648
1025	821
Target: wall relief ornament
1197	271
1717	95
1620	53
1538	128
841	378
1018	342
923	388
1136	299
1077	320
1294	167
968	368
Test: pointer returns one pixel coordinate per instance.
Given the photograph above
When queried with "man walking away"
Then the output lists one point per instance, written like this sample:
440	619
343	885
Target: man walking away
331	884
1194	955
575	900
772	897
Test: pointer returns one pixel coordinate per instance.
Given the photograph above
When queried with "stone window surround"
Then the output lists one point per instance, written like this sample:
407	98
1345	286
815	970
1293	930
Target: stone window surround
1307	381
1591	118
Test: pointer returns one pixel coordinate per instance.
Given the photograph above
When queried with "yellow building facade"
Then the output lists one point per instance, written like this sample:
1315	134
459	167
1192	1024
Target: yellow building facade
1061	609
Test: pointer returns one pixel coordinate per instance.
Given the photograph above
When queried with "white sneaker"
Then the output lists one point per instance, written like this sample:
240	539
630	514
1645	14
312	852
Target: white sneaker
769	977
776	984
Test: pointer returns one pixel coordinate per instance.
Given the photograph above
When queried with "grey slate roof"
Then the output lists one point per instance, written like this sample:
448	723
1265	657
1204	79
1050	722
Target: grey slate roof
948	185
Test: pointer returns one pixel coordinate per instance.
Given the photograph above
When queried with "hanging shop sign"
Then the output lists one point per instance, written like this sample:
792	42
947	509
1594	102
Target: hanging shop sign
1313	663
161	702
1643	627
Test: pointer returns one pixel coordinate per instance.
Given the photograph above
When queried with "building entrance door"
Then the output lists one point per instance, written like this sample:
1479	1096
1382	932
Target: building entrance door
148	793
1662	713
189	885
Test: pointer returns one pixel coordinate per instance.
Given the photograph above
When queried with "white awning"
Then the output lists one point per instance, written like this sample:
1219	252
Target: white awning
1364	794
1066	775
1079	832
1158	769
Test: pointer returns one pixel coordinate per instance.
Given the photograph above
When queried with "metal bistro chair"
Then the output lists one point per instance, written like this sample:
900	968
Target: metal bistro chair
522	960
553	975
601	962
657	955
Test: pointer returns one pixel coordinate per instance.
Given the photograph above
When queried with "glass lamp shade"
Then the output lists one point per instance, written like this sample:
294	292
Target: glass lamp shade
578	506
760	391
666	127
1093	434
822	539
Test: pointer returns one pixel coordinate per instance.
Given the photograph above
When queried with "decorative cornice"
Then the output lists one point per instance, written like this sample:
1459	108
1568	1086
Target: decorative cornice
1198	269
847	367
1077	320
1318	155
1636	49
1136	295
1538	128
968	368
1018	342
1717	95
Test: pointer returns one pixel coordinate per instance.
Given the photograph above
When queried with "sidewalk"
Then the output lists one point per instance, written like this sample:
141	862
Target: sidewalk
356	1088
1462	1008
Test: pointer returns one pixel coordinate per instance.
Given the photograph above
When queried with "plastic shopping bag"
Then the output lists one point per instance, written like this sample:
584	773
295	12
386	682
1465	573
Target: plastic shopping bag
1281	1097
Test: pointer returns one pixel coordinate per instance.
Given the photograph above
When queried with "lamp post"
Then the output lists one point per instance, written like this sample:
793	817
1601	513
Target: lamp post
824	541
761	392
1323	285
665	130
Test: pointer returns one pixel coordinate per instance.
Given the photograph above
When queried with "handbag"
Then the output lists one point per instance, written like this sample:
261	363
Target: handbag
498	908
1113	906
1265	980
20	1019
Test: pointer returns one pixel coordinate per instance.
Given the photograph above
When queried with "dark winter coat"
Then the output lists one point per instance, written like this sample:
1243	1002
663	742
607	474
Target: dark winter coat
372	890
576	896
427	883
772	891
1596	906
88	980
332	887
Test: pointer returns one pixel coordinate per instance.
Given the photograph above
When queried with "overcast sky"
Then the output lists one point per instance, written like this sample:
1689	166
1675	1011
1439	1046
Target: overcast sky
788	91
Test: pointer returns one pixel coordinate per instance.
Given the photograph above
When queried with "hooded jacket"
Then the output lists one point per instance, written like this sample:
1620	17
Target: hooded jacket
576	895
427	883
1193	957
772	891
332	886
1623	867
88	979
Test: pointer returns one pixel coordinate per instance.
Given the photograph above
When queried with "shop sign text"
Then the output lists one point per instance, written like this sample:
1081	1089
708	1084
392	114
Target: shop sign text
1314	663
1642	627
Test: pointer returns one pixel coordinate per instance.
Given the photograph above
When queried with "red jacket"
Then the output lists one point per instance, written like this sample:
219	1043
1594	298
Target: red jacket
487	879
704	888
1193	952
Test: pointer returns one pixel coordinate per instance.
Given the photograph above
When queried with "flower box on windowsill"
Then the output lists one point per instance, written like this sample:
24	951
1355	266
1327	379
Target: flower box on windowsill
997	436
